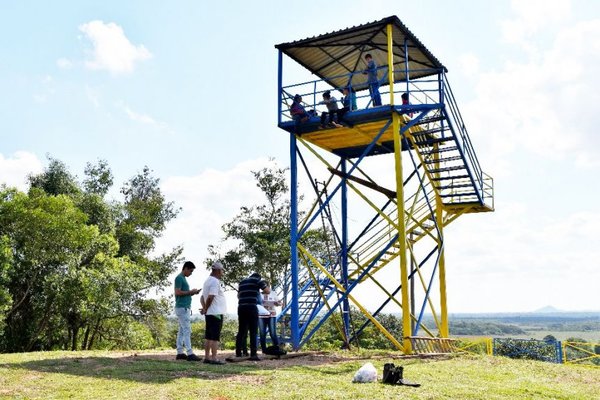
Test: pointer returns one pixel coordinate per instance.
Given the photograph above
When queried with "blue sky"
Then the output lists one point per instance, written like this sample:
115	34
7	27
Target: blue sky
189	89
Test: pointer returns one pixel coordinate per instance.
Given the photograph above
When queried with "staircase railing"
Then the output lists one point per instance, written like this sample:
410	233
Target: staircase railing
457	125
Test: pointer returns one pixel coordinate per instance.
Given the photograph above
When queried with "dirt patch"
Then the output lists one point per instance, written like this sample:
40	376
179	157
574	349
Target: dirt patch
308	358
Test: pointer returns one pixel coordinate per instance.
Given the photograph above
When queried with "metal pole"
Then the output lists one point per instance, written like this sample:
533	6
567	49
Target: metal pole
279	85
346	304
295	323
406	320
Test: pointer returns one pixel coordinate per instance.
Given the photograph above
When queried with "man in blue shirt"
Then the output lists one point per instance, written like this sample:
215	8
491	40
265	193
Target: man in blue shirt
183	310
248	291
372	80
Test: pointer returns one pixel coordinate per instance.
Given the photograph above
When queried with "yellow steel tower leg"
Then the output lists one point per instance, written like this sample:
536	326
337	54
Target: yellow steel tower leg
406	321
444	330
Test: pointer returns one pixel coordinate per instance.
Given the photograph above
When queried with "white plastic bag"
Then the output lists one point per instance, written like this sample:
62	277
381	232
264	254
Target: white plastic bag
263	311
366	373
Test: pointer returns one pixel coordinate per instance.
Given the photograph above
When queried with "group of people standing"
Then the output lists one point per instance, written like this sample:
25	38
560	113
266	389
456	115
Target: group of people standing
254	293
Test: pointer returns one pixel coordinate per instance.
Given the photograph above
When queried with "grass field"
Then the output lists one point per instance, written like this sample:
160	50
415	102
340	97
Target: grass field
155	375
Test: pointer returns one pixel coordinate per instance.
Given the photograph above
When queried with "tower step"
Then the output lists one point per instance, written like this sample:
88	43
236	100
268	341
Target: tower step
460	185
446	169
440	150
441	160
444	178
467	194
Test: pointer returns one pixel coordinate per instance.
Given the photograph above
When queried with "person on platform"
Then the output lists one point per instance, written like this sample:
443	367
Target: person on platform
331	113
372	80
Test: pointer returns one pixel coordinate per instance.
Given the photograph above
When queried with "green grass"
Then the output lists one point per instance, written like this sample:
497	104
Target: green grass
112	375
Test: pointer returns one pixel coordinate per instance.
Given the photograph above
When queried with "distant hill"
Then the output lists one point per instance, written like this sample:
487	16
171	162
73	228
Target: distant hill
547	310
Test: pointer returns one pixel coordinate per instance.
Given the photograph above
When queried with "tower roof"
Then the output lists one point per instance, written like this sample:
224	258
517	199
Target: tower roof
332	56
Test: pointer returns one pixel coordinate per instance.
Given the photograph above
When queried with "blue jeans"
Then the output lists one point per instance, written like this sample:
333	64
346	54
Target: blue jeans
374	91
264	324
184	334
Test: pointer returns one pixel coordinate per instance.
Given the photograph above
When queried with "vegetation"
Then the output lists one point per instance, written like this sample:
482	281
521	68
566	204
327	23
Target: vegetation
483	328
98	374
259	236
75	268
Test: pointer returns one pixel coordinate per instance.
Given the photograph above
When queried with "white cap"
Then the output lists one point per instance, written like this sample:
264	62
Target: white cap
217	265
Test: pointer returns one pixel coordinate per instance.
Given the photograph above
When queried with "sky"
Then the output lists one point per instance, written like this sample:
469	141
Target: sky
189	89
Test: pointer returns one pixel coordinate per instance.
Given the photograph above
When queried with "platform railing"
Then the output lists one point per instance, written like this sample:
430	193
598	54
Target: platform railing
423	91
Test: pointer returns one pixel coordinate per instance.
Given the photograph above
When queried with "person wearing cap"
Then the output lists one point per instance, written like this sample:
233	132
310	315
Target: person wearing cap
248	292
214	308
183	310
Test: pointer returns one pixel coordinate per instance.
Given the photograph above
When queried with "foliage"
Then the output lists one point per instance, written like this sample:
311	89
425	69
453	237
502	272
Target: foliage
77	267
526	349
5	265
260	235
483	328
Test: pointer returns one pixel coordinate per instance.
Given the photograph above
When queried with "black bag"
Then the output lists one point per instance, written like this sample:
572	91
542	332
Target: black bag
393	375
275	351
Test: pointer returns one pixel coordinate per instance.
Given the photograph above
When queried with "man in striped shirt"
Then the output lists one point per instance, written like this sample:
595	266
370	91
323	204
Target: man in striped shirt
248	291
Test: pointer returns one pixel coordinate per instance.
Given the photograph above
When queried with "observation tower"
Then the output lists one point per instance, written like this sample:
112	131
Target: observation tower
384	185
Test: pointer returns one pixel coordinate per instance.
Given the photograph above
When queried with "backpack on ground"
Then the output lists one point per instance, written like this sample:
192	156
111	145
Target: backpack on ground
393	375
275	351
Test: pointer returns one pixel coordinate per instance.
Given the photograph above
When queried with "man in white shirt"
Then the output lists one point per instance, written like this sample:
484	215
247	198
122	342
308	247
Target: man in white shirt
214	308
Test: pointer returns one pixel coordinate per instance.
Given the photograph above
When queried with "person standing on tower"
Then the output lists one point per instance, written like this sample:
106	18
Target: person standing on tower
372	80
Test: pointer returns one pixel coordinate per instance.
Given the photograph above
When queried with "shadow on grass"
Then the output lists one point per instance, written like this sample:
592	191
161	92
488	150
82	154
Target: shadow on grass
158	369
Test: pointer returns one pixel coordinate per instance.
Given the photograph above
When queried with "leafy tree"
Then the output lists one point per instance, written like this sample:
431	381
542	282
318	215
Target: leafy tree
55	180
5	265
260	234
77	267
549	339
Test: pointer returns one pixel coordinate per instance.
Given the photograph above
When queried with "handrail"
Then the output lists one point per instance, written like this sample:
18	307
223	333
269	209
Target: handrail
462	138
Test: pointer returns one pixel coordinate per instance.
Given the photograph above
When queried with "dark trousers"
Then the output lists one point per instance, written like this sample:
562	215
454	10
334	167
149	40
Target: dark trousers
248	322
335	115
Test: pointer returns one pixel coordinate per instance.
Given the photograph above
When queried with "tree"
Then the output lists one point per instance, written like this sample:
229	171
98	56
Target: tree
78	267
260	234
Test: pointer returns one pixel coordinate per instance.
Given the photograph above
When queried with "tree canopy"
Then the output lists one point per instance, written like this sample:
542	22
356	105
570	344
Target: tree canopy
257	239
75	267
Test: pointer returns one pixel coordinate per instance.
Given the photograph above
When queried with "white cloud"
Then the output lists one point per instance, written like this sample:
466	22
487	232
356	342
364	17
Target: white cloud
544	105
532	16
517	263
208	200
64	63
469	64
111	49
15	168
143	118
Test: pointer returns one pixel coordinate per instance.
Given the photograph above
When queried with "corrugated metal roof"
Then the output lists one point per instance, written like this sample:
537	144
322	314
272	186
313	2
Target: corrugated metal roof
332	56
